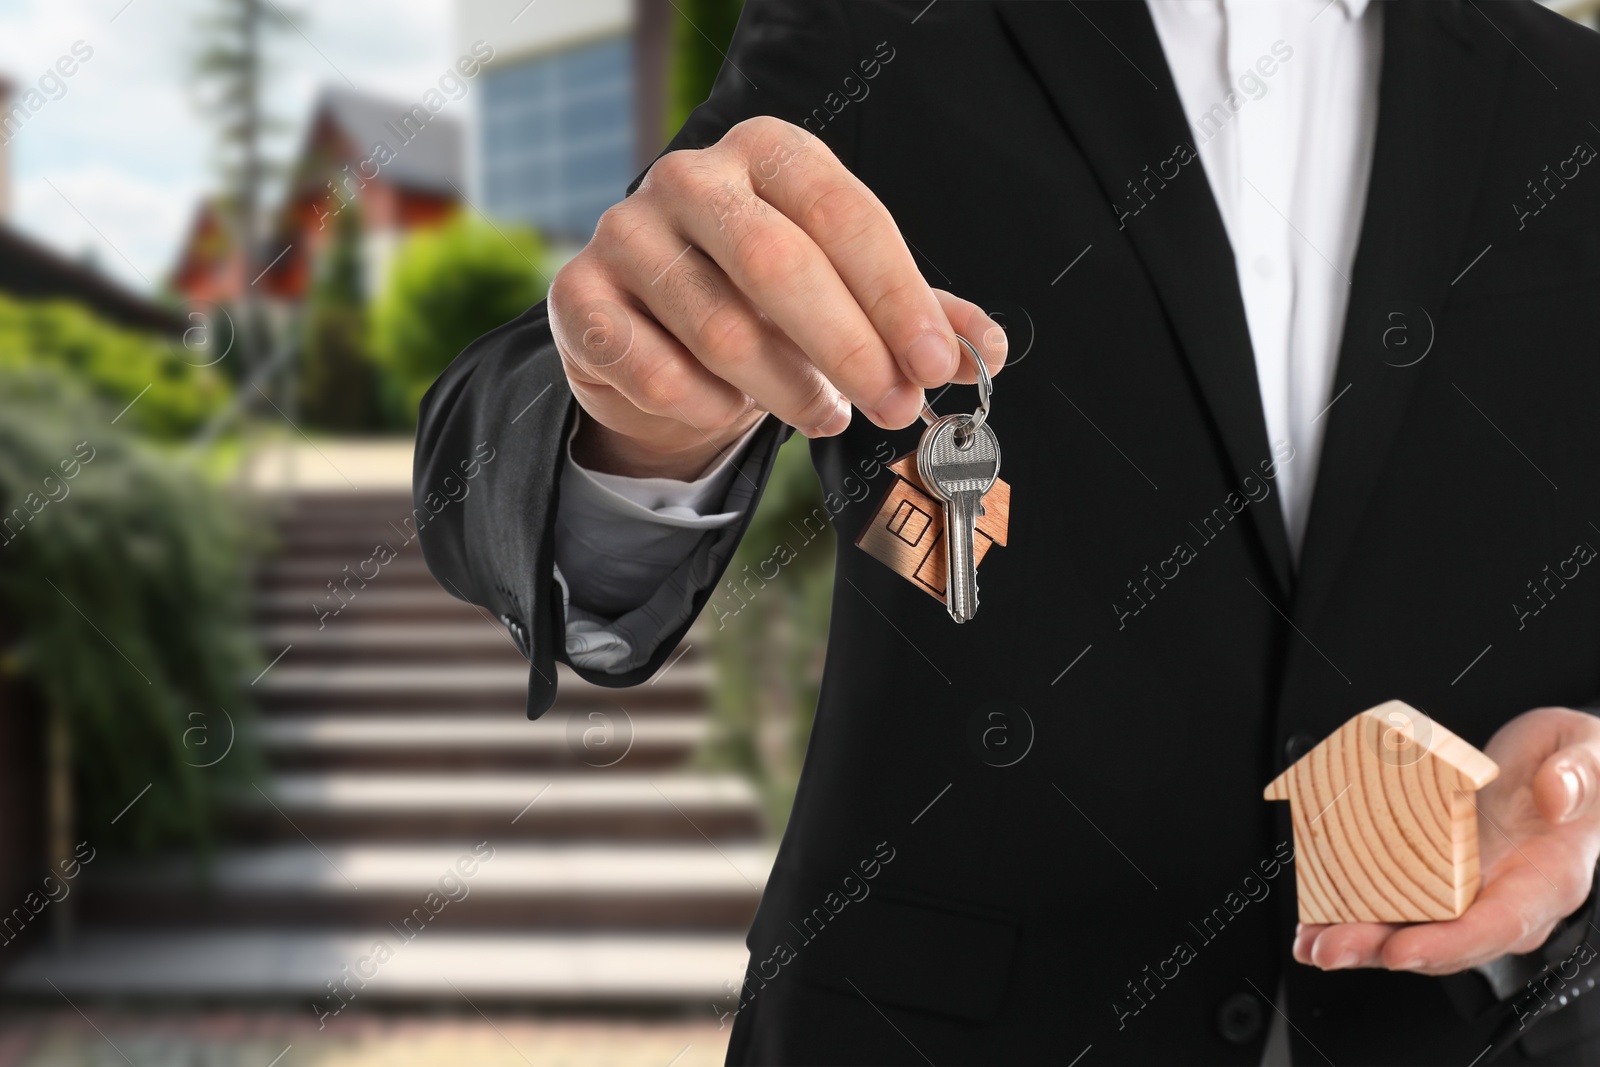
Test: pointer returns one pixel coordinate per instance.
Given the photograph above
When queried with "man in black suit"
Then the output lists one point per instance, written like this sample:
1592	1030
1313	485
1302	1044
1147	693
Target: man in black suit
1165	623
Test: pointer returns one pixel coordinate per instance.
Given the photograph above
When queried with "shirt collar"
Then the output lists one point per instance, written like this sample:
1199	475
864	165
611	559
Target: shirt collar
1353	8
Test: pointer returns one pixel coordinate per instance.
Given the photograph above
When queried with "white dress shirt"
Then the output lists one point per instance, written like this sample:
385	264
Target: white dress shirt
1282	101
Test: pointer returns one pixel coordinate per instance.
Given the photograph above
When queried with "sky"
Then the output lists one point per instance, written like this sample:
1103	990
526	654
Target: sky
112	170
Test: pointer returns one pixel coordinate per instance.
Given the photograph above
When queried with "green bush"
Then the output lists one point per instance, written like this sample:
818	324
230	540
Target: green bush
339	385
769	636
124	571
117	364
446	288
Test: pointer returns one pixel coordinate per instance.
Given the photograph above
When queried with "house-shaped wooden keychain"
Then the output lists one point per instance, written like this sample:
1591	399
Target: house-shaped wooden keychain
1385	820
907	530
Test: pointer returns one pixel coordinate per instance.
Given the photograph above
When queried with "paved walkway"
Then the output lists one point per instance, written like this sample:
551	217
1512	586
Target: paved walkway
339	464
237	1039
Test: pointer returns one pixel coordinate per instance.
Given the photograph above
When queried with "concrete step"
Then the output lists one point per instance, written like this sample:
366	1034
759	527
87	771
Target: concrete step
572	741
363	807
473	640
415	604
288	684
346	534
504	967
327	506
311	574
657	888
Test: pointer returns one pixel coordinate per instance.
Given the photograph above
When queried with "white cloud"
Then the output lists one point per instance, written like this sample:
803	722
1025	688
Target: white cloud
126	144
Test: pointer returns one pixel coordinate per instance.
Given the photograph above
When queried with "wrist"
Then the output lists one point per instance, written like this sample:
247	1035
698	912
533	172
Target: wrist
599	448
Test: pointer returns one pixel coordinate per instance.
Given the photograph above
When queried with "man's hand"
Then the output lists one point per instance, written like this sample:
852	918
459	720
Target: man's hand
757	275
1538	834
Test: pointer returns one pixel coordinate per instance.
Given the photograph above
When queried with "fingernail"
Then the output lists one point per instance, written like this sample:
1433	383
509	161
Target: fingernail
835	423
1415	963
899	405
995	342
932	358
1344	960
1574	788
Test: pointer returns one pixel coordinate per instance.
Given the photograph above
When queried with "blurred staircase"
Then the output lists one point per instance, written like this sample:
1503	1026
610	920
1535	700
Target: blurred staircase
397	743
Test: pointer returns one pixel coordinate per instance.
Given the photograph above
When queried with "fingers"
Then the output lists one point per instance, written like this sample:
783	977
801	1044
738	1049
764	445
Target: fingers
856	234
972	322
695	302
1305	935
780	270
756	275
1346	945
1566	786
1506	917
639	382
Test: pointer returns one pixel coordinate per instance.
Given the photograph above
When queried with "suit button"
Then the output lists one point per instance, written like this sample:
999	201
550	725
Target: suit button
1298	745
1240	1018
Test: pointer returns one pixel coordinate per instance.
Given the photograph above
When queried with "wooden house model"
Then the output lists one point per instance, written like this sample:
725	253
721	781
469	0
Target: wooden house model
907	530
1385	820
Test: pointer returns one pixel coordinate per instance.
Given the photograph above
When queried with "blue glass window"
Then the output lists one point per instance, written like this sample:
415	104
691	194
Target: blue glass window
557	137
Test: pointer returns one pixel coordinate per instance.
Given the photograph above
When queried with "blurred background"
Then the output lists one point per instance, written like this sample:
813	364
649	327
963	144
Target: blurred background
268	794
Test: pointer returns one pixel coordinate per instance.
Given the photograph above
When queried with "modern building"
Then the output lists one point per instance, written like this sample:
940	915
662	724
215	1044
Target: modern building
569	109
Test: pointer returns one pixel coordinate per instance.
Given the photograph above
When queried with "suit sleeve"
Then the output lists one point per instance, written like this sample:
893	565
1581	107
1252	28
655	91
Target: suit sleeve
502	409
1516	990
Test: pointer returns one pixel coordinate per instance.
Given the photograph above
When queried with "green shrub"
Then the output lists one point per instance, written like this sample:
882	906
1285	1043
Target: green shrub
446	288
339	384
124	571
117	365
769	635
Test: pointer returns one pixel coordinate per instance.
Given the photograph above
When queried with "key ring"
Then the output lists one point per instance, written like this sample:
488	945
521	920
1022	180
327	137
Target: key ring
985	392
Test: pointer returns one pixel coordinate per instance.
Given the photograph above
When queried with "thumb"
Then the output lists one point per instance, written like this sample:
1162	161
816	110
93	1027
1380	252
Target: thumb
1567	784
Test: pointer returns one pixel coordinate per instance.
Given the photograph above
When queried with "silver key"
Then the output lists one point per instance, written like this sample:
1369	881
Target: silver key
959	466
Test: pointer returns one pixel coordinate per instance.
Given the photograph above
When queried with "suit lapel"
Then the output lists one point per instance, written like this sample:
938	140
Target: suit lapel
1440	76
1103	69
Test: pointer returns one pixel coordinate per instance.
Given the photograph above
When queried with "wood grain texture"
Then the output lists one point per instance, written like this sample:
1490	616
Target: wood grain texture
1385	820
907	529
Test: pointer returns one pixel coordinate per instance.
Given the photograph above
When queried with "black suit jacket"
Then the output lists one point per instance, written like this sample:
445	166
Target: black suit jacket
1123	887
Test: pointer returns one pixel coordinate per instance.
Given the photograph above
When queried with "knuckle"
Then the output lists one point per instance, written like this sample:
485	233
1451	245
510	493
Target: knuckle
818	405
864	362
770	257
728	337
837	208
757	133
727	416
618	225
660	389
896	297
676	173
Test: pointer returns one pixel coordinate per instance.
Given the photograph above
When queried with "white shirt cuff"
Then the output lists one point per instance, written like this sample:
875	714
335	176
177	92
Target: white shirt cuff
618	539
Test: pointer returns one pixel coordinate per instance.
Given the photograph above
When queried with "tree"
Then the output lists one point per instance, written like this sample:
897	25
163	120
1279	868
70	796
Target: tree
229	71
446	288
339	386
700	39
